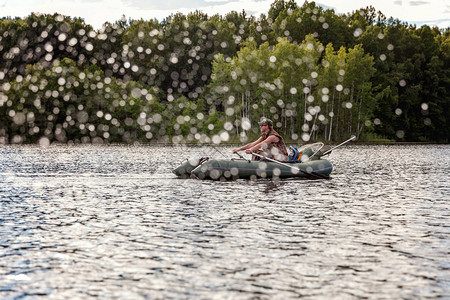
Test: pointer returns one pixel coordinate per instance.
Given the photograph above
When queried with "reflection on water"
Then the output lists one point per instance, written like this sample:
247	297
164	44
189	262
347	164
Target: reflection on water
114	222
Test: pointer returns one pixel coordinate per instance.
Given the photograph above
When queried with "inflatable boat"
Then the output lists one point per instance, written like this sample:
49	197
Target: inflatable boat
306	162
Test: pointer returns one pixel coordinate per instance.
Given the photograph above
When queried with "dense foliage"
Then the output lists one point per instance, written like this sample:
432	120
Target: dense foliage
199	78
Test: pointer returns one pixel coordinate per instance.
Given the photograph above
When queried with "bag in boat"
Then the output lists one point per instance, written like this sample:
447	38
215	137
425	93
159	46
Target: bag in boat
305	153
294	155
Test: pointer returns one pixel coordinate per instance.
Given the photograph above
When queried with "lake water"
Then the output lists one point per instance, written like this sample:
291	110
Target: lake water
79	222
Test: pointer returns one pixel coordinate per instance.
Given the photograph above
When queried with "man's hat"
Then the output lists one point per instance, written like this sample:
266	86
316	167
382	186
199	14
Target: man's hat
265	121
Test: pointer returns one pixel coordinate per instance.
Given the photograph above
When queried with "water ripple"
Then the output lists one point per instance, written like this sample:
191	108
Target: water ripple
113	222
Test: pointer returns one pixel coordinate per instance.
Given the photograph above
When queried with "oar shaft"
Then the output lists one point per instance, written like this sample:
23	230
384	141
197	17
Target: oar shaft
219	151
352	138
242	156
311	174
276	161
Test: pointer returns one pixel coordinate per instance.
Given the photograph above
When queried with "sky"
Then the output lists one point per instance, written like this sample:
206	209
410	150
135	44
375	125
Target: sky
97	12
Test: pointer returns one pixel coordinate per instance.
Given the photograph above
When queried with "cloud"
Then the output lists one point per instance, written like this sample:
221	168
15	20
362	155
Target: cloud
169	4
418	3
443	24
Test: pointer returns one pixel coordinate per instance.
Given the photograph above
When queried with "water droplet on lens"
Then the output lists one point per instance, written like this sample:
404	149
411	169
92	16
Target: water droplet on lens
44	142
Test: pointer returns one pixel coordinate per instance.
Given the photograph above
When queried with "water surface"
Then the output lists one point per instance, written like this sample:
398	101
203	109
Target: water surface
81	222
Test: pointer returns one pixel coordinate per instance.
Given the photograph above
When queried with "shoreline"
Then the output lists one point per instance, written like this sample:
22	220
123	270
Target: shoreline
223	144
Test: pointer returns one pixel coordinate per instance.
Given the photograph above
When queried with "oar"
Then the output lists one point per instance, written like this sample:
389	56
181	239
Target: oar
238	154
327	152
312	174
219	151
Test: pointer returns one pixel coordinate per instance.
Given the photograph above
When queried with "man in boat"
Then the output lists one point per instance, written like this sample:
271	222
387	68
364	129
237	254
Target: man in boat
270	144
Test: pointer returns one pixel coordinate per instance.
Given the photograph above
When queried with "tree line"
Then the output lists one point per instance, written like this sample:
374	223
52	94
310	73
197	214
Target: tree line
208	79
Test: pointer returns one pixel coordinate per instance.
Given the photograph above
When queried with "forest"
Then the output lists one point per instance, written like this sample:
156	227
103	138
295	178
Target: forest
320	76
